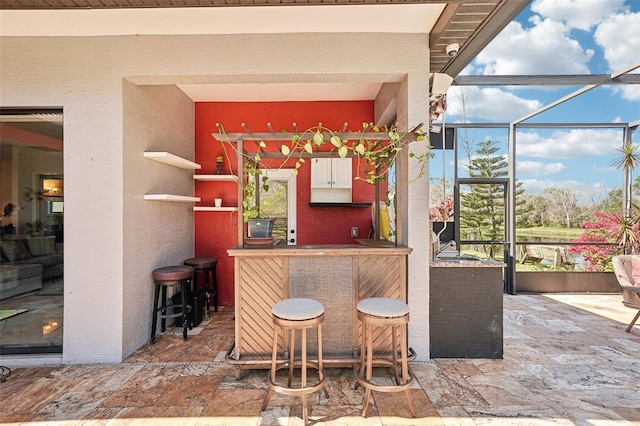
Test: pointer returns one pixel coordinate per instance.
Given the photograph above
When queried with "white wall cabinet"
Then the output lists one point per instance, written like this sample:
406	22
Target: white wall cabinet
331	180
331	173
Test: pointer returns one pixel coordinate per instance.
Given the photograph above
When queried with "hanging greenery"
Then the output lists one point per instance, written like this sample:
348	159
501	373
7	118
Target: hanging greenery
379	146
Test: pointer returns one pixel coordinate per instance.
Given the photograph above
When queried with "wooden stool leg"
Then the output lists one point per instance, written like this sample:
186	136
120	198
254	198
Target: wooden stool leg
292	347
207	292
185	318
405	366
272	372
163	321
303	373
154	320
215	288
368	367
394	349
320	366
362	352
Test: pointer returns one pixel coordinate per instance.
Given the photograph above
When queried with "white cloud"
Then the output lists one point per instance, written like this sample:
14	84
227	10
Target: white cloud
599	168
578	14
546	48
619	37
577	143
487	104
537	186
536	168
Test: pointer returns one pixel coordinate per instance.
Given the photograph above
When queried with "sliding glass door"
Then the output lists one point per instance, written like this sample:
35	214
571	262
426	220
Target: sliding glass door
31	231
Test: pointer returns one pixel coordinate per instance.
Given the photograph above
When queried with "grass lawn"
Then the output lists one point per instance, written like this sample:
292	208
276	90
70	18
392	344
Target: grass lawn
544	233
551	233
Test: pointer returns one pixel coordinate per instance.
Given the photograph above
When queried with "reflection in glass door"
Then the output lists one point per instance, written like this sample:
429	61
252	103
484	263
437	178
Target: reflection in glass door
279	202
31	231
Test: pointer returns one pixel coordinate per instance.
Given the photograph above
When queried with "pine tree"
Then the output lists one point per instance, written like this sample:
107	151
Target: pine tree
482	205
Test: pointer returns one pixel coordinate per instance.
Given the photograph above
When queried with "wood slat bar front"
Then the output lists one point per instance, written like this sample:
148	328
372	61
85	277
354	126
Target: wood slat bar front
338	276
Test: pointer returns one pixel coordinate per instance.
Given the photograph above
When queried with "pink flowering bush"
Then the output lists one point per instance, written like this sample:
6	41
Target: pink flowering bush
614	228
443	211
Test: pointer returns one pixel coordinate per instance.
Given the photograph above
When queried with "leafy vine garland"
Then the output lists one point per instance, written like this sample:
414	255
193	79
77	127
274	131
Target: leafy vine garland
379	146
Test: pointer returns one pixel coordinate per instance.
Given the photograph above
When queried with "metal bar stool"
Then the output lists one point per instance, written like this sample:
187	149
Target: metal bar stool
296	314
163	278
206	266
383	312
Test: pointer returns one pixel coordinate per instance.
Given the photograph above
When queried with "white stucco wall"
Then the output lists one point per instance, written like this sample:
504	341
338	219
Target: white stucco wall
156	118
113	240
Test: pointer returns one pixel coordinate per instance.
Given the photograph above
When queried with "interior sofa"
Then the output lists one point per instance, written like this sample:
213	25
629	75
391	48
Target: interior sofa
26	262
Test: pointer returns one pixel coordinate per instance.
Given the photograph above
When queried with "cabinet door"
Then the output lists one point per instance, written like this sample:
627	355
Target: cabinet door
321	173
341	172
331	173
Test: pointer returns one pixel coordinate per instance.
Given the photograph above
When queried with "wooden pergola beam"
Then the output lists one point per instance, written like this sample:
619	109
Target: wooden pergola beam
288	136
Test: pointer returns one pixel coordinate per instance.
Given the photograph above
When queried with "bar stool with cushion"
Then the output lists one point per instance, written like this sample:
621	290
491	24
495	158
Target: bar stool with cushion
206	266
383	312
164	278
296	314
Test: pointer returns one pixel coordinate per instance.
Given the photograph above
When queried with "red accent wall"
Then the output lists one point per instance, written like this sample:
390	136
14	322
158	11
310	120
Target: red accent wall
215	232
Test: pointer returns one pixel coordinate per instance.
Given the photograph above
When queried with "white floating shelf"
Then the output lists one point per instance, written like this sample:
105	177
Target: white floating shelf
173	160
214	209
219	178
171	197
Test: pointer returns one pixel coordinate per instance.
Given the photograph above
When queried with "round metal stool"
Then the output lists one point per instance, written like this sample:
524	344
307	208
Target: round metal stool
383	312
206	266
163	278
296	314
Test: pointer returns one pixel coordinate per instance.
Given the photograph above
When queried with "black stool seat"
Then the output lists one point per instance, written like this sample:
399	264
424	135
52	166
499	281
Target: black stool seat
163	278
207	266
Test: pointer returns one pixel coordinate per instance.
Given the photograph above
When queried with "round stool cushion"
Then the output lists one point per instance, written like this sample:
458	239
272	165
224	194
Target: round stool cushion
201	262
173	273
297	309
383	307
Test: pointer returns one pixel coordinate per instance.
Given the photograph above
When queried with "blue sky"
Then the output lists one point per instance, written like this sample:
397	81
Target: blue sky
558	37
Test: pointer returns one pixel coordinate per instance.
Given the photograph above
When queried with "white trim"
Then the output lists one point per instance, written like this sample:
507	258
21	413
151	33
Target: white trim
292	219
410	18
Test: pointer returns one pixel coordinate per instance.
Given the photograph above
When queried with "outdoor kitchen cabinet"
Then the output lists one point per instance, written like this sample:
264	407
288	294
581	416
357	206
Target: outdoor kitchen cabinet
338	276
331	180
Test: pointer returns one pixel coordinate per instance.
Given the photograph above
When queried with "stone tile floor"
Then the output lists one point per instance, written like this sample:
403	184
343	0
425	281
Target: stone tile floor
568	361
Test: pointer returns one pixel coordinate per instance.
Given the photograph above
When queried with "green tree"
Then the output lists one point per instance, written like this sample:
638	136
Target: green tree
627	161
533	210
482	205
613	201
566	201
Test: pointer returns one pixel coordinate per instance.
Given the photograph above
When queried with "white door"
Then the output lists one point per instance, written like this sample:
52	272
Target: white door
279	202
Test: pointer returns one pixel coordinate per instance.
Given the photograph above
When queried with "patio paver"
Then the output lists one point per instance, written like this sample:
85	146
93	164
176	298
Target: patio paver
568	361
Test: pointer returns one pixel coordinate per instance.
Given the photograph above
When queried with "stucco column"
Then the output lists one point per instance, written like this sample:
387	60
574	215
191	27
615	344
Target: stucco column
413	97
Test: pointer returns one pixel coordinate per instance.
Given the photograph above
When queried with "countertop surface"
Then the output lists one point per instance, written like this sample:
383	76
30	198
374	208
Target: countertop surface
465	262
319	250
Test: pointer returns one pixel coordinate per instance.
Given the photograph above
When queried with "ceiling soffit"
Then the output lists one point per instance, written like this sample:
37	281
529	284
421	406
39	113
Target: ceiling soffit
470	23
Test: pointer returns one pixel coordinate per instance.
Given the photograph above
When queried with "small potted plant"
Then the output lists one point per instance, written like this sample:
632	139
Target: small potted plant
258	226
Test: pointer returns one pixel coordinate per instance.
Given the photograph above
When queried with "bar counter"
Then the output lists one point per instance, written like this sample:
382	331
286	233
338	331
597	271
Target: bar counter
338	276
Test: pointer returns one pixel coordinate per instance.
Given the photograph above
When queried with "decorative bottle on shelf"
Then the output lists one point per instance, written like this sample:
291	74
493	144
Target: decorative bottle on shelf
219	161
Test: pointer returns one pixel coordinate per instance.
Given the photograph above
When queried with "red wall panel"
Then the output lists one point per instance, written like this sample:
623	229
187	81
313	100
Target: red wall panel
215	232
